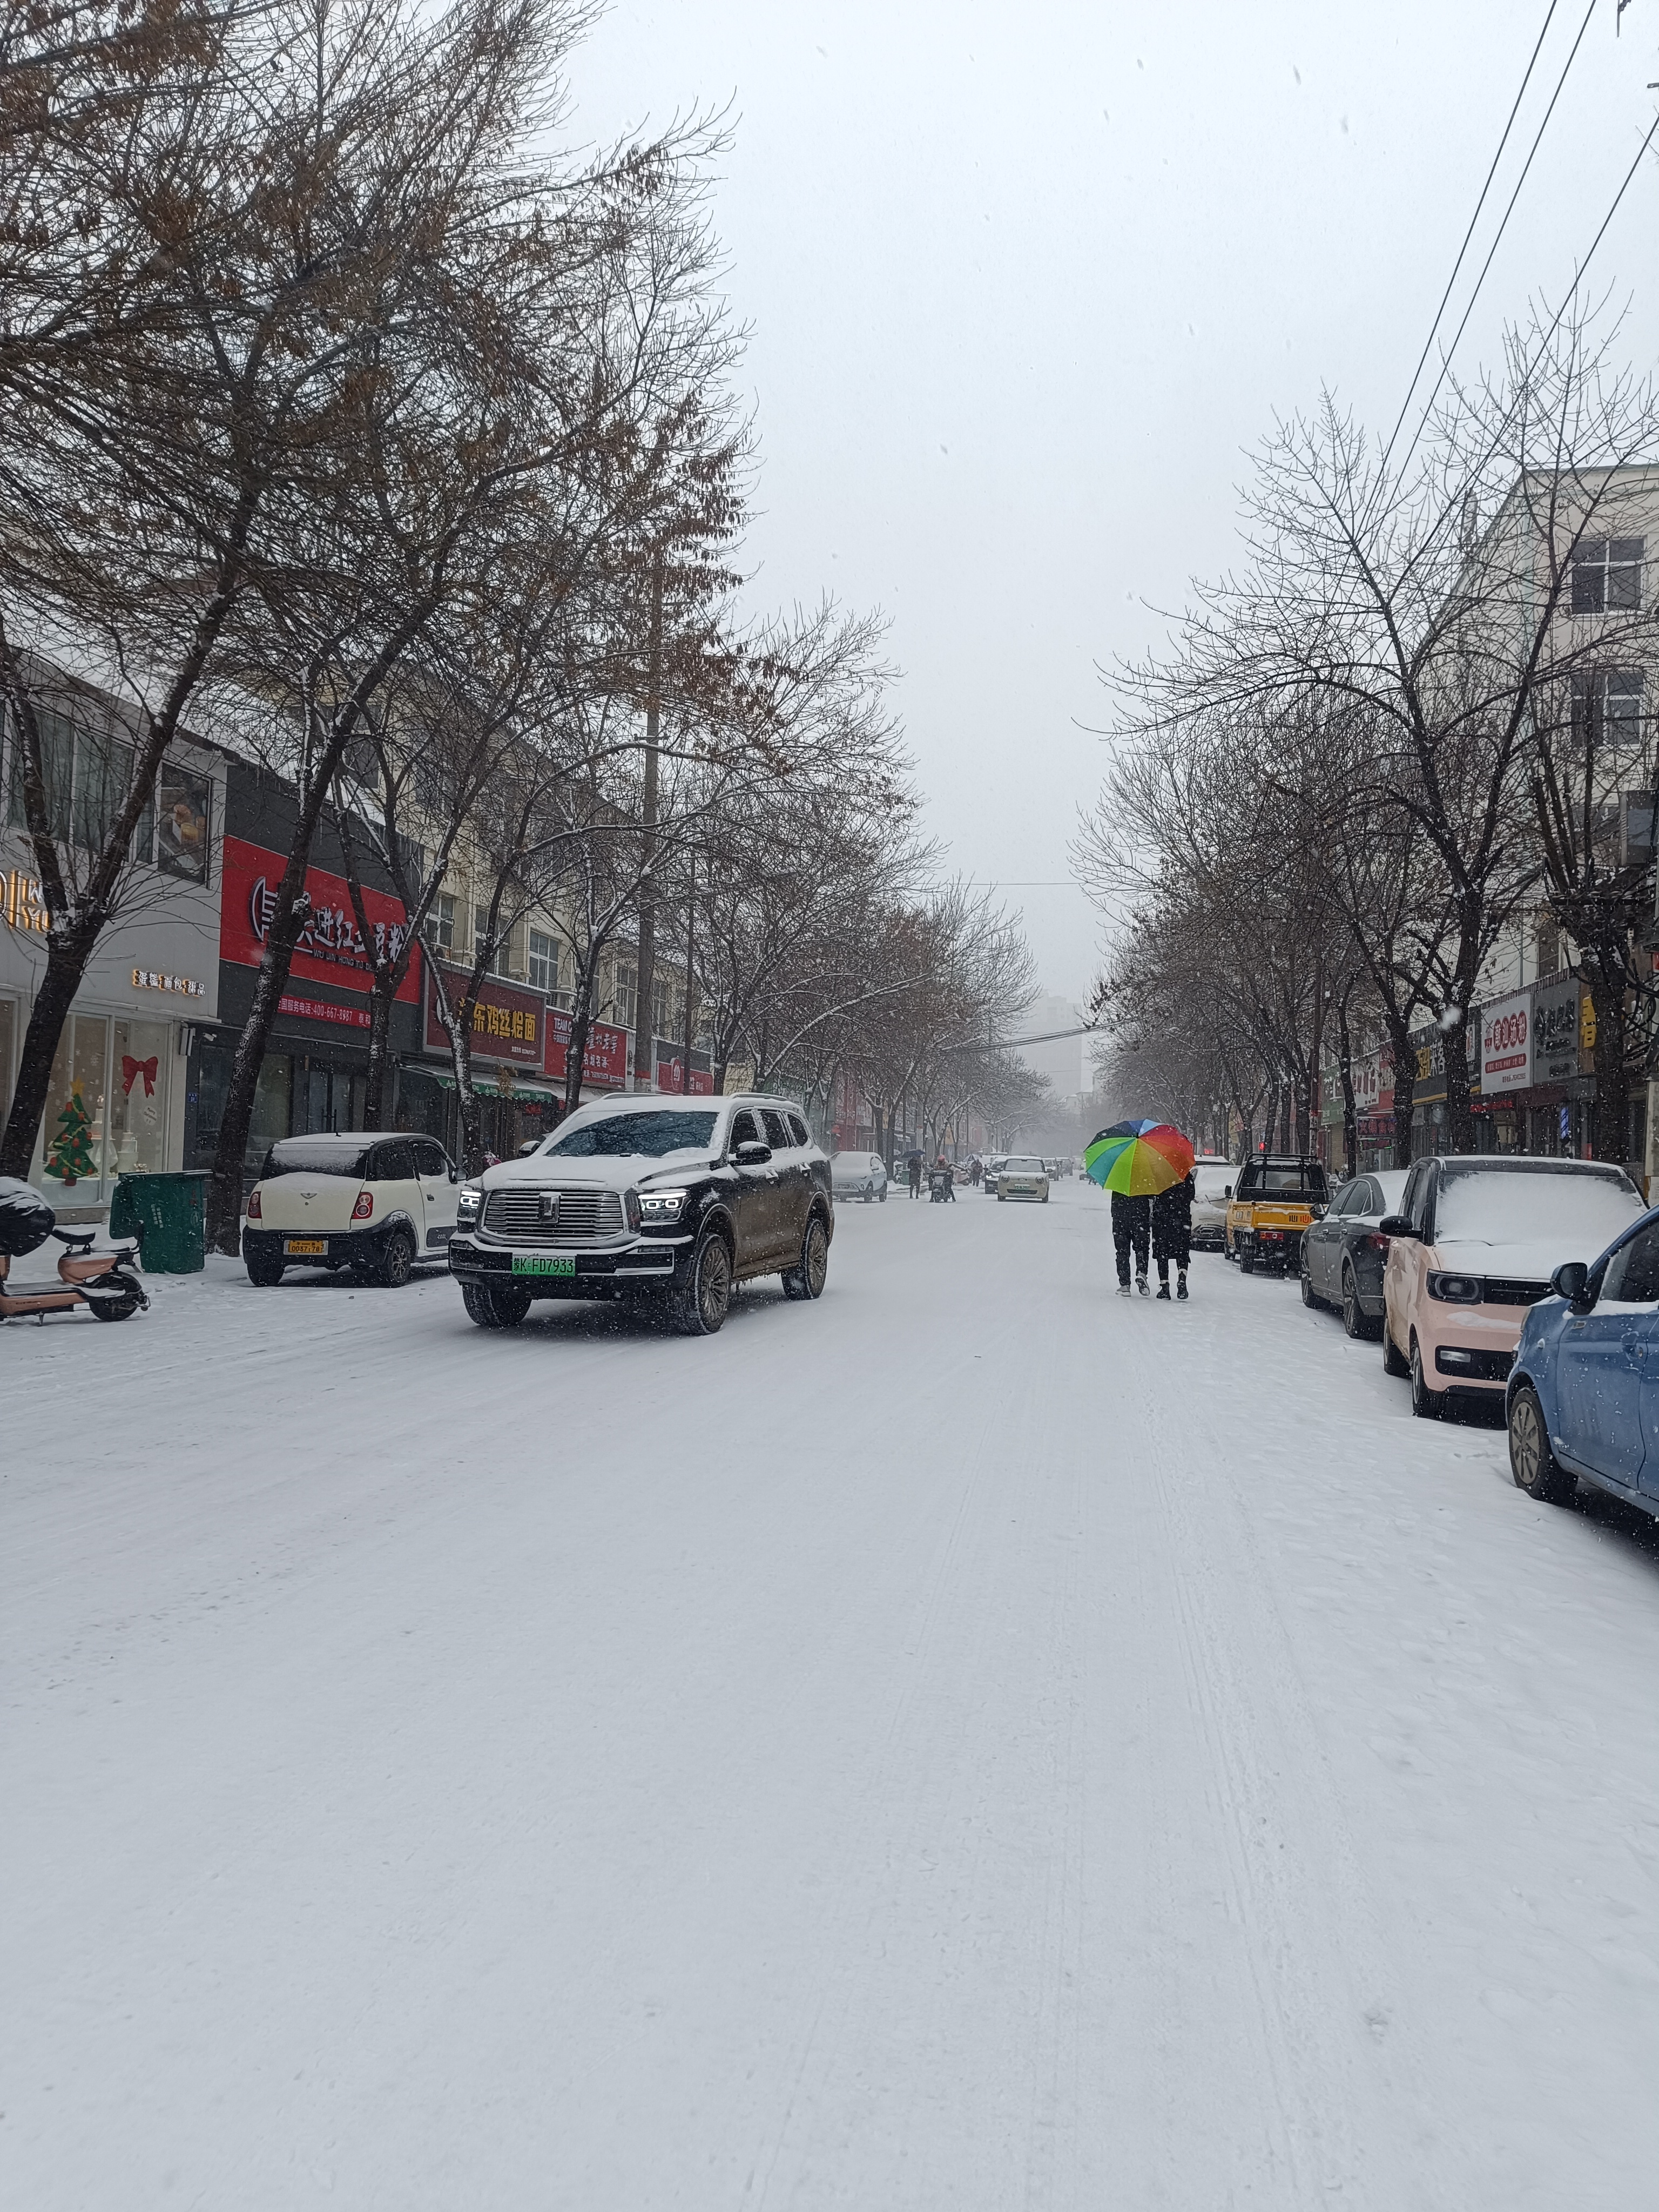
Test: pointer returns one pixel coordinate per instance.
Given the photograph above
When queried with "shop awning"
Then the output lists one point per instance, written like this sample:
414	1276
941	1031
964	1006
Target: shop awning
484	1087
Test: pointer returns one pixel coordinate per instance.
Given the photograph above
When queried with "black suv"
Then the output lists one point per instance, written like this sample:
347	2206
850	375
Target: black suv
666	1200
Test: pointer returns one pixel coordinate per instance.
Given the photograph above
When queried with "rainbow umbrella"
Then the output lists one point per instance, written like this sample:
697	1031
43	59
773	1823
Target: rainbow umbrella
1139	1158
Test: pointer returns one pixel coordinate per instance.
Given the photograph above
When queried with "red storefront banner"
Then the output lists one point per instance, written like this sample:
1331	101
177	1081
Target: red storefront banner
331	951
604	1063
508	1024
668	1078
324	1010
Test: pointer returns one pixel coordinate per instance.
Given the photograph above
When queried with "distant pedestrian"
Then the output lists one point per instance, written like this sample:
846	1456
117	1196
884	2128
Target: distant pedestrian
913	1166
1132	1222
1172	1234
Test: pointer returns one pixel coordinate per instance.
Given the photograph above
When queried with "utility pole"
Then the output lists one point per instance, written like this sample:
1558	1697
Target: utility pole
644	1064
690	973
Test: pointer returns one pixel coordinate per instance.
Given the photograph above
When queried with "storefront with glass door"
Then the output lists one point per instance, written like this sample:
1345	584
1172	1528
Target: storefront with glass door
116	1099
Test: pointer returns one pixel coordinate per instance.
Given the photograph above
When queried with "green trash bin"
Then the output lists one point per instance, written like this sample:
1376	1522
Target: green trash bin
167	1214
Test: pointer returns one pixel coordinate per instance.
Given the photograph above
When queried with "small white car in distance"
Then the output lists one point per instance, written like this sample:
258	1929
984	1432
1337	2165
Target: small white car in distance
859	1175
370	1201
1019	1177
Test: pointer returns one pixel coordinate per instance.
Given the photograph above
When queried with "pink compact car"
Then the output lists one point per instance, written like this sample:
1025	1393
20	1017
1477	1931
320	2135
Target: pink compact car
1473	1244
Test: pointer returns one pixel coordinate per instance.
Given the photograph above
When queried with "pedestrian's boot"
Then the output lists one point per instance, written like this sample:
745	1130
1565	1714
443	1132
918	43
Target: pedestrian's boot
1142	1285
1163	1291
1180	1283
1123	1290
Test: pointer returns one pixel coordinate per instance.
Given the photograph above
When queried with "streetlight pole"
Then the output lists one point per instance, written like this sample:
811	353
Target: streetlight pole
645	1061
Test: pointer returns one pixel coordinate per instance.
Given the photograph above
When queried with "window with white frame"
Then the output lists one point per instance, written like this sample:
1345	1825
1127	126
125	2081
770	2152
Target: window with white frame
438	928
543	964
624	994
1607	575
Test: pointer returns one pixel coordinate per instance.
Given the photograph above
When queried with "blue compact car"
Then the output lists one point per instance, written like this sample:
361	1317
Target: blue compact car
1583	1393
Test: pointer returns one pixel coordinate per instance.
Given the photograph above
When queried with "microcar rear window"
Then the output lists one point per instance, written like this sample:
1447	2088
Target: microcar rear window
329	1156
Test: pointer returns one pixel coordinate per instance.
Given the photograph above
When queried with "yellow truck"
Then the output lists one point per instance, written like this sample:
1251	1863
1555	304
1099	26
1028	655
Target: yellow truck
1276	1197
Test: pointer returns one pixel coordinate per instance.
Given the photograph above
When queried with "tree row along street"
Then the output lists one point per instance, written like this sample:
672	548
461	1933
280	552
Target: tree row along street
366	434
994	1746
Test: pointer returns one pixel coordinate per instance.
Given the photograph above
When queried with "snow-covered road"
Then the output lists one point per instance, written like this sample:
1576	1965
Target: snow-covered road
973	1743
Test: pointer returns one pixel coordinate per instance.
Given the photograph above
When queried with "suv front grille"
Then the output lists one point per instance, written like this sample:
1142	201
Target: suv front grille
1509	1290
582	1217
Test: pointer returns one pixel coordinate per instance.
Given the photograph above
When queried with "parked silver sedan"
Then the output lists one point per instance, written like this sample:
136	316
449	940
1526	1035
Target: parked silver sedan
1343	1254
859	1175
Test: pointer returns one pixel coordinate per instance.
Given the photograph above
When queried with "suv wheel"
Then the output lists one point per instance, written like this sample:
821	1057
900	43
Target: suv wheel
263	1269
1533	1465
1307	1297
396	1259
806	1279
495	1305
1427	1405
703	1304
1355	1321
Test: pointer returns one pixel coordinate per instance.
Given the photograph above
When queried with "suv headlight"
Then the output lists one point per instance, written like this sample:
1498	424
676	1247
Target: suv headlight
658	1206
1456	1289
470	1204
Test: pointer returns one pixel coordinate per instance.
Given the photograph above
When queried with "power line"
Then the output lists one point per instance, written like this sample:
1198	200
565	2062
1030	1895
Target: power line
1498	241
1469	233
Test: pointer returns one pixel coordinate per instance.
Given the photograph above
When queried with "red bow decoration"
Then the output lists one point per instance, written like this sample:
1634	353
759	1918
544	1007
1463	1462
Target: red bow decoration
132	1069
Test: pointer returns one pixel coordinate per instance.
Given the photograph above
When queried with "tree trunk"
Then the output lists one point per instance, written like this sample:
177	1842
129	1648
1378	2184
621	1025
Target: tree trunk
66	965
293	911
1403	1054
382	991
1350	1111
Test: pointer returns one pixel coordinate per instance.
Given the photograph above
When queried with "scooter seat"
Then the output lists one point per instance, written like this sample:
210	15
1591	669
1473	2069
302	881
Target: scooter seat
78	1239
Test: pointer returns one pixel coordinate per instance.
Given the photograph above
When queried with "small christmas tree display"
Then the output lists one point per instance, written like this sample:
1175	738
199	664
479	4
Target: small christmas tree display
69	1155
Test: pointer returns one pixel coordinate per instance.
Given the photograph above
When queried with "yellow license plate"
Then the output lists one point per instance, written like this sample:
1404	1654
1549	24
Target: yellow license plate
305	1248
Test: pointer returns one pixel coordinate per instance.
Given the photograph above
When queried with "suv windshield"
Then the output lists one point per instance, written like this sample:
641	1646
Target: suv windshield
330	1156
648	1136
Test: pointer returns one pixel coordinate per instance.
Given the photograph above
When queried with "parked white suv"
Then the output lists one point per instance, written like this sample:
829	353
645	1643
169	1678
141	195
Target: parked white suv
367	1200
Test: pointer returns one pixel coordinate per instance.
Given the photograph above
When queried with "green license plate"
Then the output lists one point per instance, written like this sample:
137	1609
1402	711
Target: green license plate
543	1263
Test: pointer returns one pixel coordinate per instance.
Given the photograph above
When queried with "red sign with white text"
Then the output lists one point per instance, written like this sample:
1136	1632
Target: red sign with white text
604	1063
331	951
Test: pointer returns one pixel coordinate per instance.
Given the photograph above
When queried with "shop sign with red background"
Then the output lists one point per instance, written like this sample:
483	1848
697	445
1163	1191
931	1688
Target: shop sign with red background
604	1063
330	950
508	1024
668	1078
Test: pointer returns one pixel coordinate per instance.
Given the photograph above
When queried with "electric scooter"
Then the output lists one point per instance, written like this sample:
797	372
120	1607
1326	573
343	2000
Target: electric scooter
102	1281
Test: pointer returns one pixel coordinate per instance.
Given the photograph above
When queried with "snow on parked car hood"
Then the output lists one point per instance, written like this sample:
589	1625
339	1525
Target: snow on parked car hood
1525	1220
605	1145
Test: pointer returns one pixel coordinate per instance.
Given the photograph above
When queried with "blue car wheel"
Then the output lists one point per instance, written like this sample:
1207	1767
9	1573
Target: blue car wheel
1532	1462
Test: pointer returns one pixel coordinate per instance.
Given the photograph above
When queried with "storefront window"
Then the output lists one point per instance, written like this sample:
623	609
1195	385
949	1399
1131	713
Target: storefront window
139	1066
73	1126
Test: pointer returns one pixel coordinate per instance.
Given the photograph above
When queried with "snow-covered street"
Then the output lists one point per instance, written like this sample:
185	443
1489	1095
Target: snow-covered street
975	1742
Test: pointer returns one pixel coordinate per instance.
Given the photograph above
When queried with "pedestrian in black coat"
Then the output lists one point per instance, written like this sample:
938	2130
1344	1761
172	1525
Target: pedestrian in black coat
1172	1234
1132	1221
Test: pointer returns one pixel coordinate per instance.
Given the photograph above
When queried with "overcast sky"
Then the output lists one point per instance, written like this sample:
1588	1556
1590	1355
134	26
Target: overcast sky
1024	284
